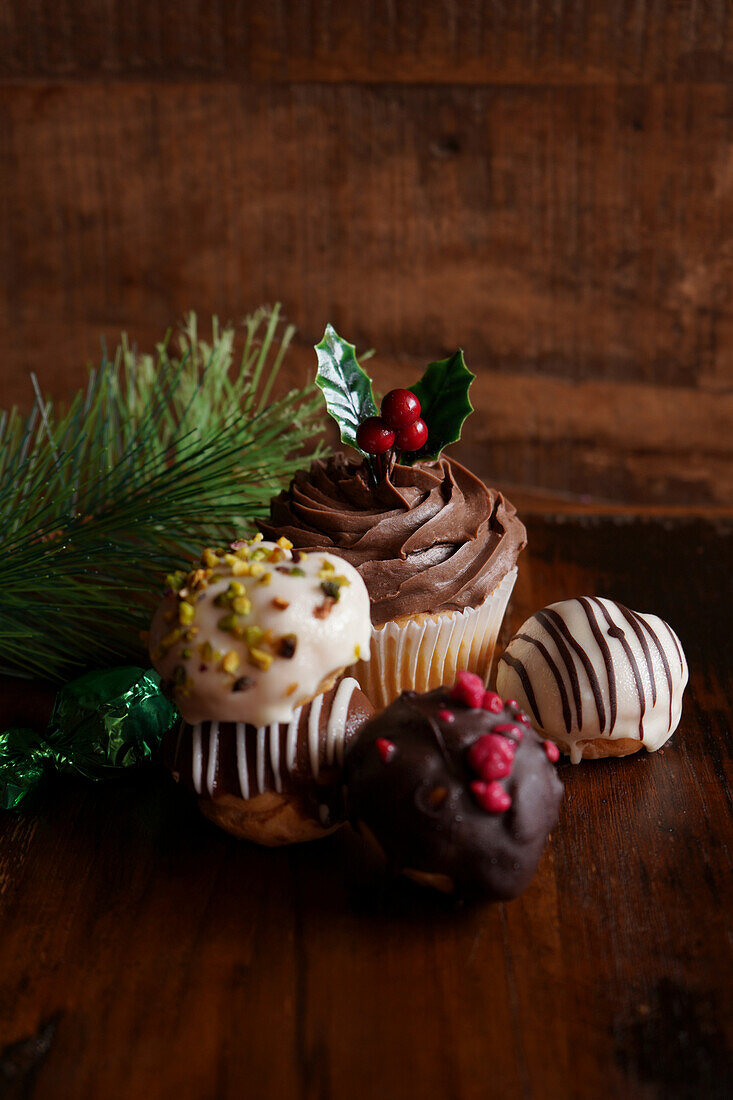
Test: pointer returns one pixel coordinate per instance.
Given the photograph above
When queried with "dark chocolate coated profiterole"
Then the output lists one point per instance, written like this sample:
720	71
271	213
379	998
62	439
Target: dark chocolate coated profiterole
456	788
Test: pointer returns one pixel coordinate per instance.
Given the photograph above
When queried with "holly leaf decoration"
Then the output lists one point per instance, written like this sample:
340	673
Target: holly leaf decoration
346	387
443	395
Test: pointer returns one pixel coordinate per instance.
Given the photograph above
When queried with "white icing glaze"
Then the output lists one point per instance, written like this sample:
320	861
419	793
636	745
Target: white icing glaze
268	745
323	644
336	731
198	757
213	755
561	657
314	719
261	735
242	768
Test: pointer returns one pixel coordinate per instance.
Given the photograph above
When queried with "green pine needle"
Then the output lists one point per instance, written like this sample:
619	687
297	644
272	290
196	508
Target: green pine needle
156	458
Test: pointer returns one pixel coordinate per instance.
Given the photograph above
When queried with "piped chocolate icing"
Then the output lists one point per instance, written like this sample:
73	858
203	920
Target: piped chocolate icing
428	538
462	792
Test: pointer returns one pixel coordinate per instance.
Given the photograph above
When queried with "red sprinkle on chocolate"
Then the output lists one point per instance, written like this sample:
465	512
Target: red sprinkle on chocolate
510	730
468	689
491	797
493	702
385	748
446	716
492	756
522	717
553	752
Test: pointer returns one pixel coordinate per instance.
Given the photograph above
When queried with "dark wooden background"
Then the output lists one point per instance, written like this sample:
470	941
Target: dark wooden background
548	184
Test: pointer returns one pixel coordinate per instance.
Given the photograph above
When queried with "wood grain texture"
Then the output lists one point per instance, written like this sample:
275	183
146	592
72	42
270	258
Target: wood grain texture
142	952
567	241
453	41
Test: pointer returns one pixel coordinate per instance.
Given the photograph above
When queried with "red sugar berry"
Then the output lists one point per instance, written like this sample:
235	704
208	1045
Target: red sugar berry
491	797
374	436
553	752
492	756
413	437
468	689
493	702
446	716
512	704
522	717
400	408
385	749
510	730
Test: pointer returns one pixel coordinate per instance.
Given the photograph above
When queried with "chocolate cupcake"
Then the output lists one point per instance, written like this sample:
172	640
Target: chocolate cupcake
456	788
436	549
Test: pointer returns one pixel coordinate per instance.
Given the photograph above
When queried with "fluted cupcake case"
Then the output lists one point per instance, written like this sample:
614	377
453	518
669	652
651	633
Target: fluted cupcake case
425	652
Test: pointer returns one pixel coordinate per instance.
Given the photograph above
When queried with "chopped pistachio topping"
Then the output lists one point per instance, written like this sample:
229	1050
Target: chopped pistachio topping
209	558
332	589
260	659
230	661
253	635
186	653
242	683
280	604
357	652
185	613
170	638
284	544
287	645
291	689
266	578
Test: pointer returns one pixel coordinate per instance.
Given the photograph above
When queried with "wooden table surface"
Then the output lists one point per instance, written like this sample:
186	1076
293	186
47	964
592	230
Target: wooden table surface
143	953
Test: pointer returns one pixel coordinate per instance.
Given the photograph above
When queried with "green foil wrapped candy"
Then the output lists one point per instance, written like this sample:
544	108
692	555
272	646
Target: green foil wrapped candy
108	720
101	723
25	758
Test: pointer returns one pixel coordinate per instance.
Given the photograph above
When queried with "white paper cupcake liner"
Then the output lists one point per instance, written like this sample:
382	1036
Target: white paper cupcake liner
422	655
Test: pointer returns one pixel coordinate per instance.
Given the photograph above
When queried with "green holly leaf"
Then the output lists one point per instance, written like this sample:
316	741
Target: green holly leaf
346	387
443	395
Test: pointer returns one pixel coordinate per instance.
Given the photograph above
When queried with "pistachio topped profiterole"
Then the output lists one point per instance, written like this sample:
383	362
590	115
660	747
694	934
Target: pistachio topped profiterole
254	631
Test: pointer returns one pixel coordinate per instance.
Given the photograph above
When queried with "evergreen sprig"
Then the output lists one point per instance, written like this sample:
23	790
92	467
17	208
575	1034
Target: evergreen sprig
158	456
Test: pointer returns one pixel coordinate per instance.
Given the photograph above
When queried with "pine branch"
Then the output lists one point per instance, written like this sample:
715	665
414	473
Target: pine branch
157	457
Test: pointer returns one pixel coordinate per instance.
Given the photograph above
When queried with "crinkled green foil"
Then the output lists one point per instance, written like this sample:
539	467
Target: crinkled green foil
24	760
101	723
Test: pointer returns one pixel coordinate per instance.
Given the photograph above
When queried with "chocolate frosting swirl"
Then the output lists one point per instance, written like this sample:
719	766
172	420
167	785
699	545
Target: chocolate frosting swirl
428	538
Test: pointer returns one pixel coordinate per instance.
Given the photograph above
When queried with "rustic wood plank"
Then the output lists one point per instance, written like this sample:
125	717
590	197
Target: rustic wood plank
153	955
552	233
475	42
577	247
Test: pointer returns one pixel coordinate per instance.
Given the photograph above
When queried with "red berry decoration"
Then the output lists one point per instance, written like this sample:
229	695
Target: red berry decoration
446	716
491	797
553	752
400	408
413	437
374	436
385	748
510	730
468	689
492	756
493	702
